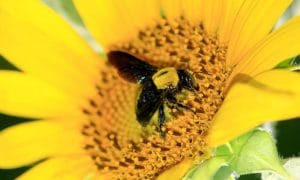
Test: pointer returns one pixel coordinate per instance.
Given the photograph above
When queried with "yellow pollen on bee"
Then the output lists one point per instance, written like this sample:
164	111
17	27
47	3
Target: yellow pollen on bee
165	78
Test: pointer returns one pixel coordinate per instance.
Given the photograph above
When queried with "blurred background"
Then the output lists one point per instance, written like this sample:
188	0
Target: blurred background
285	133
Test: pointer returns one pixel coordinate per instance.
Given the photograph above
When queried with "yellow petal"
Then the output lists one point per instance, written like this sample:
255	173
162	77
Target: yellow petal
192	10
231	9
29	142
139	13
64	168
271	96
213	11
114	21
40	42
253	22
178	171
172	8
276	47
25	95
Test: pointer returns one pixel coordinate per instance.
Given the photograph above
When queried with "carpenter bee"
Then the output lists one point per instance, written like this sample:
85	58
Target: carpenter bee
159	85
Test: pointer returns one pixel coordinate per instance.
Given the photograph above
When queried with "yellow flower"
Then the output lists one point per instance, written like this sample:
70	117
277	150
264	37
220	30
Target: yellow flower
87	126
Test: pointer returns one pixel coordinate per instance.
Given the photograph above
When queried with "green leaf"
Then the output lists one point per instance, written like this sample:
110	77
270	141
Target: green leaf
292	165
292	64
224	150
225	172
208	169
295	64
256	152
253	152
296	61
284	64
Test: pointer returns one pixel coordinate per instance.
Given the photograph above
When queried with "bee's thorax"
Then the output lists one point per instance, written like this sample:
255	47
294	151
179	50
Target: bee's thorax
165	78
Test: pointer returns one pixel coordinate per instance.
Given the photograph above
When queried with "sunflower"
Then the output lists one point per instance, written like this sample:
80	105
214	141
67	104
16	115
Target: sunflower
86	125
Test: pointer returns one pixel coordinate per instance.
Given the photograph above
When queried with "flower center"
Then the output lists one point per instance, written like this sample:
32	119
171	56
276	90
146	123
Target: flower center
117	143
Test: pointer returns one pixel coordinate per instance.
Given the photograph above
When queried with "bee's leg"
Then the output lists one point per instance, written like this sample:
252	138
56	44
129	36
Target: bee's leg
173	100
161	120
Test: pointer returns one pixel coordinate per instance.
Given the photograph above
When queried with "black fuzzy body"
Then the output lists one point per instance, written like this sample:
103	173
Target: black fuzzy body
151	99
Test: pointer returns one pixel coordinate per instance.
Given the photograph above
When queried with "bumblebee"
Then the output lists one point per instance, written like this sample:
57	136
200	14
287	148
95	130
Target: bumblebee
159	86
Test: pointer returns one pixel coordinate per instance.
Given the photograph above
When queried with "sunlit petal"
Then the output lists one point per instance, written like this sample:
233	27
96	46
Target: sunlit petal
25	95
254	20
49	49
271	96
29	142
72	167
116	21
276	47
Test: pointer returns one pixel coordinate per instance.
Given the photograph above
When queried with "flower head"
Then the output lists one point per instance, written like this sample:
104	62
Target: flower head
88	126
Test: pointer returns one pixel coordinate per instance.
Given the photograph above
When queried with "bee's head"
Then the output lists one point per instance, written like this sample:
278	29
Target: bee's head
186	81
165	78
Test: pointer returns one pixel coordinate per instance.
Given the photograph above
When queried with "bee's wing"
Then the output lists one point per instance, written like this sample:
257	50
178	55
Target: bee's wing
130	67
148	102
